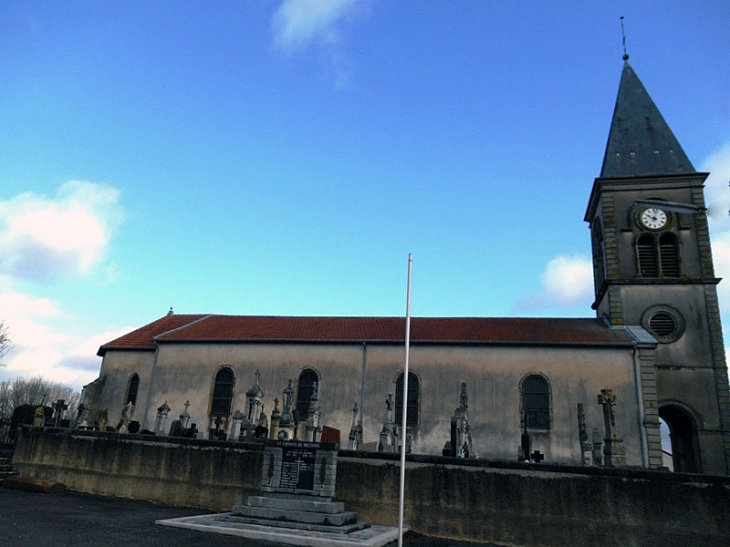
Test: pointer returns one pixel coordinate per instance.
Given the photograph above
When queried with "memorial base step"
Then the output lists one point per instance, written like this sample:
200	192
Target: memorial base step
345	529
305	517
297	503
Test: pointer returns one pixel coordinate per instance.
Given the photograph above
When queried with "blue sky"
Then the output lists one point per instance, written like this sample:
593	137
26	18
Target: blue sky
284	157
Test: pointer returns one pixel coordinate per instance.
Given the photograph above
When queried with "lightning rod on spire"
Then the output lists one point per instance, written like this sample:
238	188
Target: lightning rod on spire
623	35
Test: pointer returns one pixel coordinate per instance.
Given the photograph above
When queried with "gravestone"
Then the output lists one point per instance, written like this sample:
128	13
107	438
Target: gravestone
176	429
286	421
585	444
387	440
102	419
82	417
161	419
330	435
355	437
298	483
526	441
38	416
461	443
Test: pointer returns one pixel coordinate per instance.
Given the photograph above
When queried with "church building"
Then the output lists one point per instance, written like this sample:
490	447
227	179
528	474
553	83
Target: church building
586	391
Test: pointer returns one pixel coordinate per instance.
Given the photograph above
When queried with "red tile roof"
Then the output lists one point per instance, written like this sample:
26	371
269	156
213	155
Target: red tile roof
142	338
248	328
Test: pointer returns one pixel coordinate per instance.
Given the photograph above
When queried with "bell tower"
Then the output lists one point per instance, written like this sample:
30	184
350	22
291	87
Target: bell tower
653	268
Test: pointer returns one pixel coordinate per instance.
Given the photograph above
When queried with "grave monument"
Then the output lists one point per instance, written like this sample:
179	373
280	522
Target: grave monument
295	506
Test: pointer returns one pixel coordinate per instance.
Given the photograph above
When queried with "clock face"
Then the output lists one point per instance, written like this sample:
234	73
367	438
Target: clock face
654	218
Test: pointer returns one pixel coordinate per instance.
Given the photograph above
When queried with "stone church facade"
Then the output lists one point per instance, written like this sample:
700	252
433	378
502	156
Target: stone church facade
655	343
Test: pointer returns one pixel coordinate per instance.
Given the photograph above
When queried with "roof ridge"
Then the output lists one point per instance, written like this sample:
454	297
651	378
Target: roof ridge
154	338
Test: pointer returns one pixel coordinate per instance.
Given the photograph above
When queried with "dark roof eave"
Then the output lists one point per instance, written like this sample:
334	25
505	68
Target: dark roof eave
104	349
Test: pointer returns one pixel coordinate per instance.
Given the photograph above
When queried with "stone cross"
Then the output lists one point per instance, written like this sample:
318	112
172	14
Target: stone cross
59	407
613	449
608	400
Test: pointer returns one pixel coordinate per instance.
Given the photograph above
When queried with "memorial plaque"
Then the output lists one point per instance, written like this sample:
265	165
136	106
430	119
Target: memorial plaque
297	468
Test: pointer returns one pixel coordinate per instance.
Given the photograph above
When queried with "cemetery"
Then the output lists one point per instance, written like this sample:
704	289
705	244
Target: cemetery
310	486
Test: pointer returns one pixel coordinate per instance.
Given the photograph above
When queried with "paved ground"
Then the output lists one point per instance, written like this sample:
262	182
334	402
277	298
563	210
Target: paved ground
73	519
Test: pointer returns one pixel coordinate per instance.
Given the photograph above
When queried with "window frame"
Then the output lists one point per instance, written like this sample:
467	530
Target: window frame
227	389
537	417
301	406
132	392
413	409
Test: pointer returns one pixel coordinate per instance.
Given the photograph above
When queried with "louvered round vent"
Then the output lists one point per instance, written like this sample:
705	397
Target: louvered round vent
662	324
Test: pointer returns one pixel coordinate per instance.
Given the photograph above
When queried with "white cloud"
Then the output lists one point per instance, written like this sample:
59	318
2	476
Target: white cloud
43	346
48	239
297	23
718	203
53	239
567	282
716	187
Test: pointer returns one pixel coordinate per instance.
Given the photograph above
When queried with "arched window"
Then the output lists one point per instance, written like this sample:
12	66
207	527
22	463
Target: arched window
668	255
132	389
222	392
682	439
536	401
647	256
305	390
414	395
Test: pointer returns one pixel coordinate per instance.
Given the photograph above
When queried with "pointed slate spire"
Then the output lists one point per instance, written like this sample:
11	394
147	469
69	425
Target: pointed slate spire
640	142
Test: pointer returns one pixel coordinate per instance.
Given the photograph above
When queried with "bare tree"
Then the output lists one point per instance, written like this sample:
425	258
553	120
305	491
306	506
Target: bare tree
36	391
6	395
5	345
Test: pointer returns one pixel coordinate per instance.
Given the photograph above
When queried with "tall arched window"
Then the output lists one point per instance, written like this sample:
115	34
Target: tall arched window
305	390
414	395
222	392
668	255
536	401
132	389
647	256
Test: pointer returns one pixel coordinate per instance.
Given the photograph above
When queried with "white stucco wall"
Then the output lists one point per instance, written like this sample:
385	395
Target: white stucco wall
184	372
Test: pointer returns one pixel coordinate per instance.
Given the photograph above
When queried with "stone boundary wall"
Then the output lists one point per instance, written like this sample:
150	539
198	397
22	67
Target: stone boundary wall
506	503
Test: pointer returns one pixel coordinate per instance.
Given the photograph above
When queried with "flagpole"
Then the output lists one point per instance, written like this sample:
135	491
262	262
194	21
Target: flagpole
404	412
